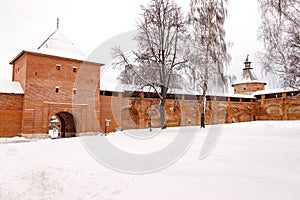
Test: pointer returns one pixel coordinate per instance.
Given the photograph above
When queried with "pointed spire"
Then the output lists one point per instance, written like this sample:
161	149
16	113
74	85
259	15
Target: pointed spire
57	22
247	59
247	63
248	74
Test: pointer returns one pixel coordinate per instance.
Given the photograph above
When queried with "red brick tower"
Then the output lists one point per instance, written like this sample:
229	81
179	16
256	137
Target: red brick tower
57	81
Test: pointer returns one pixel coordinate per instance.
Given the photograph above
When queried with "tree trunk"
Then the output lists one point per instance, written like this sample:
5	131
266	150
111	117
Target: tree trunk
162	114
203	105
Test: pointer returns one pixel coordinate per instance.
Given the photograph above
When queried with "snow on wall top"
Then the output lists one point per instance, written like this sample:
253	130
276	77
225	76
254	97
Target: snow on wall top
248	81
272	91
119	87
9	87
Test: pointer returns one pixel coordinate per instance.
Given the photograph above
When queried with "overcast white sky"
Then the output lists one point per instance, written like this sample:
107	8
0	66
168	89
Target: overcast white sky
26	24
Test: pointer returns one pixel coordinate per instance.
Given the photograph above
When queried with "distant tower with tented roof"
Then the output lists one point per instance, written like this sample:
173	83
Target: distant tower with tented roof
248	83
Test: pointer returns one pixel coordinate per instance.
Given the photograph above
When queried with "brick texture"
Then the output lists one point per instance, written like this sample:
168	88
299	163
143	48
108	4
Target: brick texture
248	88
11	109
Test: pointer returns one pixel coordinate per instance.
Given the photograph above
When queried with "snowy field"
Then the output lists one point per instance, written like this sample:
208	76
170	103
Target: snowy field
252	160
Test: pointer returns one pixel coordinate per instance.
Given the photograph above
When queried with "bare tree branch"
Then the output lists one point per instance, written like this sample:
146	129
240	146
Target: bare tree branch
156	61
280	32
208	34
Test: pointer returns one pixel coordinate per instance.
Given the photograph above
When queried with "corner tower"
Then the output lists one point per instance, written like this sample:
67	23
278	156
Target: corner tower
249	83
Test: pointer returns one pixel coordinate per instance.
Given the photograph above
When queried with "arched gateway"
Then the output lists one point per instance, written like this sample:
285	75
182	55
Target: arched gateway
64	123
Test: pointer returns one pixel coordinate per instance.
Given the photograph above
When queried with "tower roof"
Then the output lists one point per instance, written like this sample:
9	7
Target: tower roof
59	43
248	75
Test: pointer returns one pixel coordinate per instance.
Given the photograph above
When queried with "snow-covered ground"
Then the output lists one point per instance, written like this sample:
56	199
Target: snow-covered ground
252	160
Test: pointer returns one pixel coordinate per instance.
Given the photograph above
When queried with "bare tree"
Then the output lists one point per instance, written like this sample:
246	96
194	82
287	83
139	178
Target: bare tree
280	32
210	56
160	30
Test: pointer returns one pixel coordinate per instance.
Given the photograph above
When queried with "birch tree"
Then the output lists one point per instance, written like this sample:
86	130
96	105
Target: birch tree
280	33
209	58
156	62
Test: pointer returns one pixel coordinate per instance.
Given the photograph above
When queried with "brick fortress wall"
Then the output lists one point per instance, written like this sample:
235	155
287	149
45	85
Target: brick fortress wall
127	112
278	106
11	111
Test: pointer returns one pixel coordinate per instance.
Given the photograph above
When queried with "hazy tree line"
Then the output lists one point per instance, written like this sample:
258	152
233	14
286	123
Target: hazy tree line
190	52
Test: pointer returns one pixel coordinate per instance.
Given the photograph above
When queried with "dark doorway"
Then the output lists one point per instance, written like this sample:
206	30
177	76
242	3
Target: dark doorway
68	125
